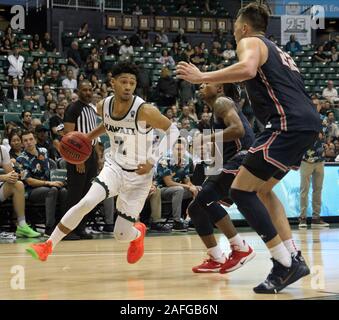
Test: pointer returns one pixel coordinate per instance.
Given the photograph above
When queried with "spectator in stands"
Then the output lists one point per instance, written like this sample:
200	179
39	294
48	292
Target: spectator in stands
206	109
34	66
62	71
192	111
16	63
215	59
29	92
330	93
163	37
145	40
14	92
183	8
47	43
35	122
169	114
35	44
50	66
334	55
54	81
94	58
135	39
198	58
229	52
174	182
74	58
83	31
293	45
330	154
185	115
166	59
38	79
204	123
176	52
162	11
6	47
47	95
331	129
312	166
151	10
112	45
107	85
320	56
11	186
21	46
26	120
9	128
69	82
137	11
16	145
96	84
43	141
9	34
188	53
186	91
180	38
126	51
35	166
166	88
3	98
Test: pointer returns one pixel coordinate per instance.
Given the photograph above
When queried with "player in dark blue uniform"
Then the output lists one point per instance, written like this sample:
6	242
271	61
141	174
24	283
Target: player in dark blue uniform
279	100
231	128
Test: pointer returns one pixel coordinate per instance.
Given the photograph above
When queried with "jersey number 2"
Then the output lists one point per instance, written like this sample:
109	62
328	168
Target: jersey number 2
120	141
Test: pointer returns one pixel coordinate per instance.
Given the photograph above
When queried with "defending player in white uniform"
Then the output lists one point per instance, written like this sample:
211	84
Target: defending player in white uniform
128	168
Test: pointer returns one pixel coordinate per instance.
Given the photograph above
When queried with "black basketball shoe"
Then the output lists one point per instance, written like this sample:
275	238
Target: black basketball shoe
281	276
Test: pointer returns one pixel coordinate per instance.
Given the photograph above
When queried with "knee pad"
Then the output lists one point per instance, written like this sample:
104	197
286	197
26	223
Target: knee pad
255	213
200	218
124	230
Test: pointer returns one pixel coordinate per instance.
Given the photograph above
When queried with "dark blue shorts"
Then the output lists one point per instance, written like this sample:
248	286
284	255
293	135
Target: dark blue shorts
274	153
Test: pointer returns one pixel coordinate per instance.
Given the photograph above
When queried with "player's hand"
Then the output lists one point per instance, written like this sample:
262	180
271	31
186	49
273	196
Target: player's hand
189	72
144	168
11	177
80	168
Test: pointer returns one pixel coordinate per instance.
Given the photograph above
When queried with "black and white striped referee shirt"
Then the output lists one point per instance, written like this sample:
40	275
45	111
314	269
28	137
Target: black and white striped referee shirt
83	116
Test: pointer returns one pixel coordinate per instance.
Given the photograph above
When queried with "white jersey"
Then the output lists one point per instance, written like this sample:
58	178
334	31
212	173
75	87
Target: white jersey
131	142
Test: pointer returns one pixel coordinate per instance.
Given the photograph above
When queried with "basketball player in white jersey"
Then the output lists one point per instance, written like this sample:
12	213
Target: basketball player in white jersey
128	169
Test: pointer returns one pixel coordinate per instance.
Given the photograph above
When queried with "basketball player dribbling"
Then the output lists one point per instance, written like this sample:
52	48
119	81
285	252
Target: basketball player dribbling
279	100
128	169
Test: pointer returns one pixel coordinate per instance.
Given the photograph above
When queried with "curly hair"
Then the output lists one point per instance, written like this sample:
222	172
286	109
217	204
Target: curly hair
125	67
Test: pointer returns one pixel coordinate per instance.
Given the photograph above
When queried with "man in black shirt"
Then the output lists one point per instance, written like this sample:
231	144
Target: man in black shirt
80	116
74	58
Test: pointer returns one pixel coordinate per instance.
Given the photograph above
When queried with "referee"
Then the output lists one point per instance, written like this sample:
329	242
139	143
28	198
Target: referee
80	116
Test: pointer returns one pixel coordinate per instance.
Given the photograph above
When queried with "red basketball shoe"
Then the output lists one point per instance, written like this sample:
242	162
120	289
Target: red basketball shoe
40	250
237	259
136	247
208	266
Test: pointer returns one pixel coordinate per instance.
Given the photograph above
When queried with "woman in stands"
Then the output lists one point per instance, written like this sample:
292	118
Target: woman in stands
16	145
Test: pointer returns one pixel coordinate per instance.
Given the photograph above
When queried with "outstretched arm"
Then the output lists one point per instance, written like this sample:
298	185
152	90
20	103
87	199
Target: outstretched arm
250	59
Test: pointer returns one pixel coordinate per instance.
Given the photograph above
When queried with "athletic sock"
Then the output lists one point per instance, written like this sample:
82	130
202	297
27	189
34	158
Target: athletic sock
56	236
291	247
239	243
217	254
21	221
281	254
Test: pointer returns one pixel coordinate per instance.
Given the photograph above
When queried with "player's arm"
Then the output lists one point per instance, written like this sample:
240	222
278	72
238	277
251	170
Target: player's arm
152	117
224	109
250	59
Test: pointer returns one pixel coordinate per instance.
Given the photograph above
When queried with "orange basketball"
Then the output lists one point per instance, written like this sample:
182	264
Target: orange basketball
75	147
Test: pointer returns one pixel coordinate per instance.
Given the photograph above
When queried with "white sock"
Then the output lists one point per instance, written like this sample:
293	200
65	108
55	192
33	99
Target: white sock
291	247
21	221
217	254
239	243
281	254
56	236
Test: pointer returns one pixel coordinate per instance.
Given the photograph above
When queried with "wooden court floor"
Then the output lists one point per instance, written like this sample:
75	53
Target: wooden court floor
97	269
